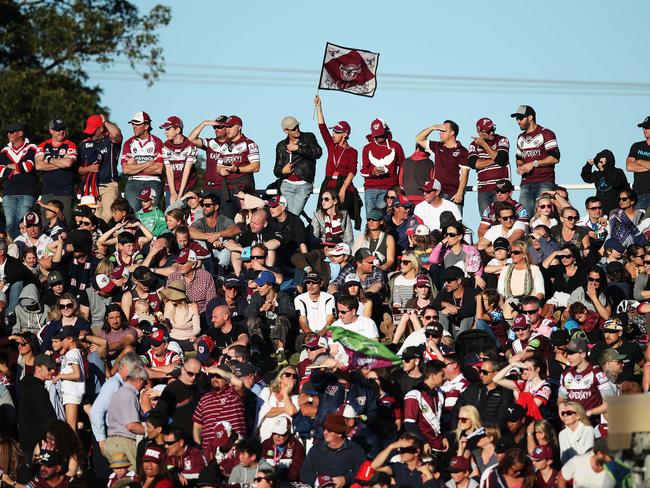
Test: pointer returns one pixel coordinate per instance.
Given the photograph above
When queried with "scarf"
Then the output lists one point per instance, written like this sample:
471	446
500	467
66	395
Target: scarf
528	281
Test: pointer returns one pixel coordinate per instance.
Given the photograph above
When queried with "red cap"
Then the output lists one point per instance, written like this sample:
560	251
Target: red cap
277	200
222	433
92	124
431	185
186	255
520	321
378	128
542	452
233	120
423	280
341	126
458	464
485	125
104	283
403	201
153	453
172	121
146	194
157	337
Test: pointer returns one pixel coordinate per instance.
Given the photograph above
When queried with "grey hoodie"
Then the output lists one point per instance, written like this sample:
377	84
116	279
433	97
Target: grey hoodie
31	315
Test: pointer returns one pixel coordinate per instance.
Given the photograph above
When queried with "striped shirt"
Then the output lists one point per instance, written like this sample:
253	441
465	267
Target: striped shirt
452	390
422	407
200	290
488	177
217	406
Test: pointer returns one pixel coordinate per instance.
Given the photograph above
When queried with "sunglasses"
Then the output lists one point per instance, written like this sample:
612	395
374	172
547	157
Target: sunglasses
404	263
645	261
326	199
258	257
544	206
170	443
595	208
373	220
623	199
313	348
290	375
342	311
530	312
567	256
220	126
430	334
191	374
571	218
409	450
502	192
507	217
515	252
519	329
566	413
429	317
85	222
463	419
390	197
63	306
485	372
593	280
520	117
451	280
207	205
452	234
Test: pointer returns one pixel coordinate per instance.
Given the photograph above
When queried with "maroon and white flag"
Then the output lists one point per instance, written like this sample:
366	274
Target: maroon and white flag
349	70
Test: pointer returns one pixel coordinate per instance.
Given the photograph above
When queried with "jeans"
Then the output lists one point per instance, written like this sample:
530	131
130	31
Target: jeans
531	191
483	325
15	207
134	187
485	198
643	202
15	289
374	198
455	330
296	195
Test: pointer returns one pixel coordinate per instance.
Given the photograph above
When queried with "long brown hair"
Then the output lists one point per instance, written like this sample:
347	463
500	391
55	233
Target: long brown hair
11	456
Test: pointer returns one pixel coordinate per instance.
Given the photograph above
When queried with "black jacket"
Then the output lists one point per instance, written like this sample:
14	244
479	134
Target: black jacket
34	412
16	271
609	182
304	158
490	404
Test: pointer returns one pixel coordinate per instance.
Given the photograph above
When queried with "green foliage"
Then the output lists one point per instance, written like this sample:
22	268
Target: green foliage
45	45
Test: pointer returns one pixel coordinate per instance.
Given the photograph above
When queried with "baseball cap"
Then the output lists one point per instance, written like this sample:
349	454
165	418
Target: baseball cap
352	278
504	185
92	124
332	241
610	354
82	211
458	464
324	480
646	123
364	254
341	127
232	121
265	278
577	345
51	458
614	244
221	119
120	272
501	243
280	426
375	214
242	368
316	342
140	118
601	445
378	128
277	200
411	352
422	280
542	452
14	127
45	360
431	185
144	275
147	194
312	278
514	413
204	347
56	124
172	121
347	411
520	321
435	329
153	453
613	325
31	218
485	125
157	337
559	337
523	110
336	423
67	331
454	273
232	281
403	201
377	478
341	249
289	123
104	283
222	433
422	230
185	256
54	278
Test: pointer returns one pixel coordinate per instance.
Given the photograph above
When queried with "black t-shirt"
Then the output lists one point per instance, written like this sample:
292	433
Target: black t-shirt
633	354
248	238
467	305
178	401
641	150
406	383
222	339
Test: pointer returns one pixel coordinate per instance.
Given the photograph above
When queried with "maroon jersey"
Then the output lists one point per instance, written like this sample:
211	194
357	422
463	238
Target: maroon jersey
240	152
488	177
177	157
452	390
584	387
189	464
536	145
423	407
447	163
389	156
213	150
341	161
550	483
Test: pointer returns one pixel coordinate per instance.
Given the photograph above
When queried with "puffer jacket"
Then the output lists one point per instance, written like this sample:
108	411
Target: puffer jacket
31	315
304	159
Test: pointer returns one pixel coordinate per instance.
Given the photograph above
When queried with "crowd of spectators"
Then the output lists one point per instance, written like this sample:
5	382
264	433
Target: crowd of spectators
160	332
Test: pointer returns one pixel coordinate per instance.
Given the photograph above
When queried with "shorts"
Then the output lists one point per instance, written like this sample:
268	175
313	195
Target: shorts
71	399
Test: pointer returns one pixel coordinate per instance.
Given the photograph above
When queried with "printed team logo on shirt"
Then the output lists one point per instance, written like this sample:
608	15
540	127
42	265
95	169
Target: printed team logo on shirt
331	390
361	400
188	464
456	153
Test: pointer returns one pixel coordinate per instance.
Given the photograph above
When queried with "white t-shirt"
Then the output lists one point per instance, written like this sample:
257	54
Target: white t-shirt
73	356
315	312
363	325
579	469
430	215
496	231
270	401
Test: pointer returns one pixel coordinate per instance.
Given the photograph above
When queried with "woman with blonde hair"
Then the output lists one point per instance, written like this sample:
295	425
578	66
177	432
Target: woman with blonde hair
544	211
183	315
280	398
469	420
577	437
64	313
481	448
542	433
402	283
519	279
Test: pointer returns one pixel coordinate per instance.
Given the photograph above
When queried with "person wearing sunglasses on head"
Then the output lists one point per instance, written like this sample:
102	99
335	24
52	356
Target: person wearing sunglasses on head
537	155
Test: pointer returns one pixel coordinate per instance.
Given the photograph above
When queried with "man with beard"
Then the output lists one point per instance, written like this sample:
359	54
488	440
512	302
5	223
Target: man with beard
51	473
630	351
537	155
456	302
213	179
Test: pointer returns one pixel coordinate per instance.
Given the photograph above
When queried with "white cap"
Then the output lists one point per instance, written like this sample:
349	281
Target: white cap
422	230
340	249
349	412
280	425
352	278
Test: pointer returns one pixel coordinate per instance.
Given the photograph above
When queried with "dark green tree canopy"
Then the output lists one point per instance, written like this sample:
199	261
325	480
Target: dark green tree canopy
45	45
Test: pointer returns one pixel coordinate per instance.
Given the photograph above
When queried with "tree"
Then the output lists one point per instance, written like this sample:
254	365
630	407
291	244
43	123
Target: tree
45	46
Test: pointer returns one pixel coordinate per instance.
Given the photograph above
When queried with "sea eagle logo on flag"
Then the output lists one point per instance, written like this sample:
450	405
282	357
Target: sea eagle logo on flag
349	70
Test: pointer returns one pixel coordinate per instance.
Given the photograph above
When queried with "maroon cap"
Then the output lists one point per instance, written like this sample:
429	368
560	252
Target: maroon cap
341	126
458	464
378	128
324	480
153	453
520	321
485	125
277	200
233	120
542	452
31	218
172	121
403	201
431	185
120	272
186	255
423	280
146	194
222	433
92	124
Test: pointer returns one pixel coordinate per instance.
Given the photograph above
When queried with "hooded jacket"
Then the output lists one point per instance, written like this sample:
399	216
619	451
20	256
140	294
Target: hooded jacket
388	155
31	315
609	181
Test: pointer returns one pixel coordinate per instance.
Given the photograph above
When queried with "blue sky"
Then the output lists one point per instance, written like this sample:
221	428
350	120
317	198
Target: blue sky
567	41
